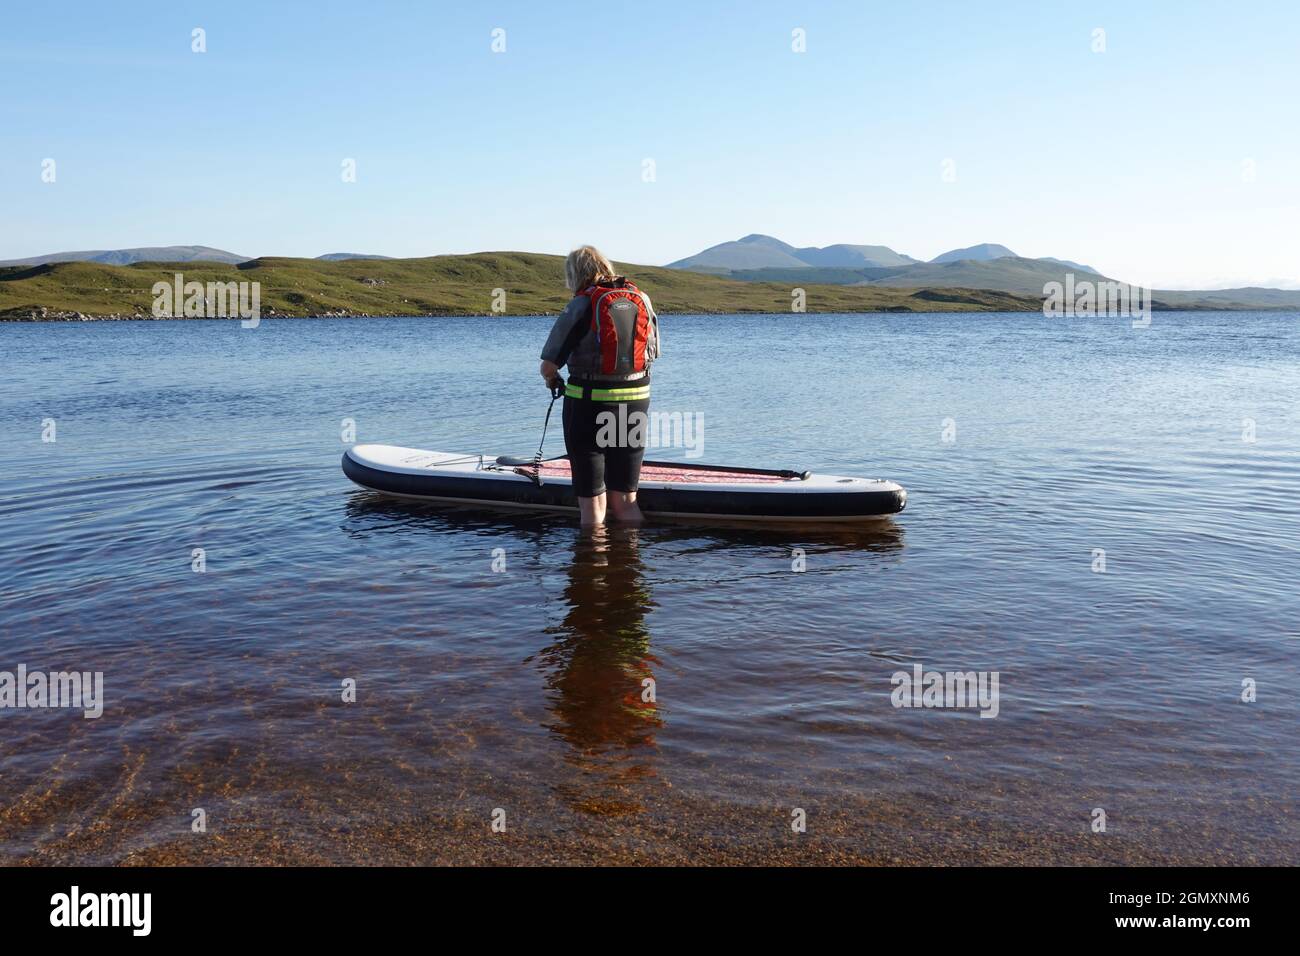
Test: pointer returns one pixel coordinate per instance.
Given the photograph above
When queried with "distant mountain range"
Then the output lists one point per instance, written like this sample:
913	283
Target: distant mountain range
763	252
759	258
125	257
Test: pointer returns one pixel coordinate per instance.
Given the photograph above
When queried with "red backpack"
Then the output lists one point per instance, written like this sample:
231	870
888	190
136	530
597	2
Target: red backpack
621	323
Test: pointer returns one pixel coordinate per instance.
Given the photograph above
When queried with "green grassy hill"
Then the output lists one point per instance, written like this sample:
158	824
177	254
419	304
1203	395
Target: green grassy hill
1251	299
442	285
1009	274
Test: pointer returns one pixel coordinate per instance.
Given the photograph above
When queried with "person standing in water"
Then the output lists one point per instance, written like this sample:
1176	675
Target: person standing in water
608	335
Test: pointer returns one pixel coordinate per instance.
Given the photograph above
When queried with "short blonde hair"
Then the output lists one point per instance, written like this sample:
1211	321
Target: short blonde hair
584	266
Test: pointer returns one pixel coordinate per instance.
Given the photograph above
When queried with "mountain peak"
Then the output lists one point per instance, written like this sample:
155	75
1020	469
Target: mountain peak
983	251
758	239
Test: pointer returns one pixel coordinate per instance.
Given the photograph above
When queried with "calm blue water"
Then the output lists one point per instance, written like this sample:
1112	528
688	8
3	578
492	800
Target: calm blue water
478	689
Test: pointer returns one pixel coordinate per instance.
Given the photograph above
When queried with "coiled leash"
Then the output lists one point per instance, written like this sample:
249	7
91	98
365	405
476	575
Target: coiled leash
557	392
531	468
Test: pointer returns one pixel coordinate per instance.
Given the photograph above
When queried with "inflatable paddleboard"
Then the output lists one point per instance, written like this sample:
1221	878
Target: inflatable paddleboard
667	489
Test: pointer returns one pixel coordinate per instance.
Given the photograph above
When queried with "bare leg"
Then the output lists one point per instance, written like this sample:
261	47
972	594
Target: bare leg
623	507
592	510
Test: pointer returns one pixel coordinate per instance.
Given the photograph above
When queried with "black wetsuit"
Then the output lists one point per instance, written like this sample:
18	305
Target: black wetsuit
605	445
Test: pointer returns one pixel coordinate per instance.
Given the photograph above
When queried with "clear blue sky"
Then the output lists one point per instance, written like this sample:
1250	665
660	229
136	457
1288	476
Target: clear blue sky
1129	160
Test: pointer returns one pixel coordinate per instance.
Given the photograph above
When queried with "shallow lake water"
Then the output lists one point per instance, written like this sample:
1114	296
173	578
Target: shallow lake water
1105	517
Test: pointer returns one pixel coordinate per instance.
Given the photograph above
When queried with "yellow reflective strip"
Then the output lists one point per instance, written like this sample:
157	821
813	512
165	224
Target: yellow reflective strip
610	394
620	394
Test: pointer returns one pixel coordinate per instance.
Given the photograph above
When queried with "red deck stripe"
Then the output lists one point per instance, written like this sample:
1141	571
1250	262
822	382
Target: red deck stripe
683	473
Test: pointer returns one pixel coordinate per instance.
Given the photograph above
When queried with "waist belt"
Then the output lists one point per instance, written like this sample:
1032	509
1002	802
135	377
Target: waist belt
630	393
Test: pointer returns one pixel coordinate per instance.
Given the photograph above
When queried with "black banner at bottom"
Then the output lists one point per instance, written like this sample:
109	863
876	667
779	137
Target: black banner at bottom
231	905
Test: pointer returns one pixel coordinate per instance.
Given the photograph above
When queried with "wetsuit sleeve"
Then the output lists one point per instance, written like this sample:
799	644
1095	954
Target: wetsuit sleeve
568	330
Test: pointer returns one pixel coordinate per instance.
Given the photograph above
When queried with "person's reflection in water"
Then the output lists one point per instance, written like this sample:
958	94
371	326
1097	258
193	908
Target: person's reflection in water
598	673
